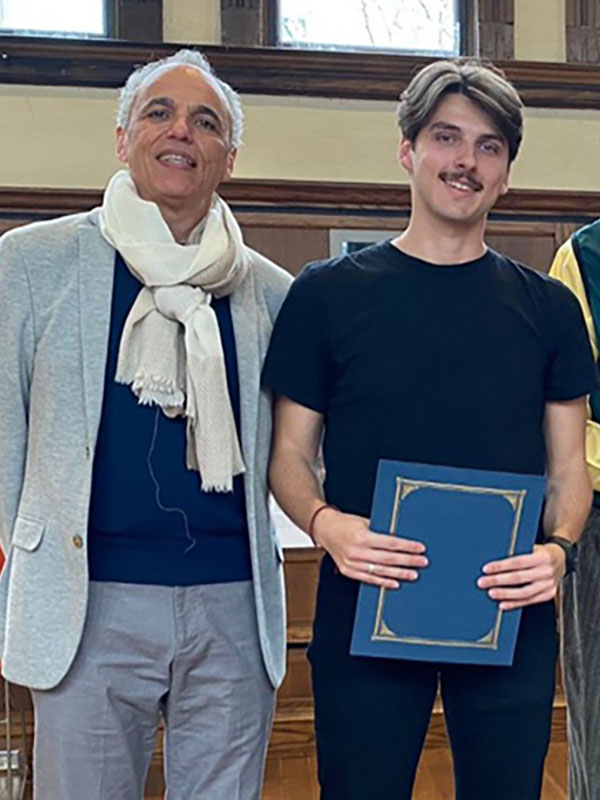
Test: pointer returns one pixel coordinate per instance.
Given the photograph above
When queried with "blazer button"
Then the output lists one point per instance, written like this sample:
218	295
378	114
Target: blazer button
77	541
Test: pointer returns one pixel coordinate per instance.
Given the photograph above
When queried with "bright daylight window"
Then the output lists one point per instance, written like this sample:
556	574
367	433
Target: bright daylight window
410	26
83	17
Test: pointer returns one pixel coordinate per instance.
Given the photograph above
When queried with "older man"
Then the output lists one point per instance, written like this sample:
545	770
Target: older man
143	575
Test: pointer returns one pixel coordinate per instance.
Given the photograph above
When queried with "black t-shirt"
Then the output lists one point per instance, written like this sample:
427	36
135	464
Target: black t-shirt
412	361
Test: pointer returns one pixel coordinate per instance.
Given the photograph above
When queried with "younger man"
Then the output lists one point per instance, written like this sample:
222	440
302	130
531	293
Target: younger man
432	348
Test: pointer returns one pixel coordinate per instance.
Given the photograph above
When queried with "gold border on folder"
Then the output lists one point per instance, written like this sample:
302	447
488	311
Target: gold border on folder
404	486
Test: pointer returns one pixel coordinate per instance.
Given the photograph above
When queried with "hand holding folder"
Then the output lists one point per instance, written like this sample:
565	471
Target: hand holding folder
363	555
466	518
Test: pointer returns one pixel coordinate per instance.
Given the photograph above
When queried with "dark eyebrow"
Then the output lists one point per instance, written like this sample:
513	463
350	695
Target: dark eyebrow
157	101
494	137
168	102
448	126
444	126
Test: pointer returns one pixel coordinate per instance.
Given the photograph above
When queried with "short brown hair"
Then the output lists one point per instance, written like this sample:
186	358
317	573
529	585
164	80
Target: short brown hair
482	83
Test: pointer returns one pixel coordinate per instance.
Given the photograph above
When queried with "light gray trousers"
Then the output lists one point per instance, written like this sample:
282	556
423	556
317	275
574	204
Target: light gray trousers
581	665
191	654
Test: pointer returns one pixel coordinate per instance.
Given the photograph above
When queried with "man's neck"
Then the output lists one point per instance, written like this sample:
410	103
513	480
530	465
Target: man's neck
182	221
441	243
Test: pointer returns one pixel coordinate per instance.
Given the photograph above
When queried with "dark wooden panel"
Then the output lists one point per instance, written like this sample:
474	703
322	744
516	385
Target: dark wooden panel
496	29
535	251
297	679
301	575
241	22
19	205
583	31
136	20
275	71
291	248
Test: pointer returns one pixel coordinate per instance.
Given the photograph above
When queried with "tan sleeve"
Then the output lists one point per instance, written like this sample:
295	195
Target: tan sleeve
565	269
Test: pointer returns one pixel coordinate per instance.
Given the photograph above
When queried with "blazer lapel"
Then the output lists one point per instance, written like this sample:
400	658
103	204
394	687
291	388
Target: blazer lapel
96	274
246	317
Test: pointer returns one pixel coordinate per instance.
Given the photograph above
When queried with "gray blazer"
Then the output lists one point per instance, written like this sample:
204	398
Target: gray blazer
56	281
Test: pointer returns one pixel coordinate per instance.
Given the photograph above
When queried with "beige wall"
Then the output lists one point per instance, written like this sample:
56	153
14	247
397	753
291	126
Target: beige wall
192	21
64	138
540	30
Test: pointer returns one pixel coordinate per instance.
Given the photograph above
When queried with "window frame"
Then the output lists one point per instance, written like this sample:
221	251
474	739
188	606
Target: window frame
466	19
102	63
47	61
255	23
129	20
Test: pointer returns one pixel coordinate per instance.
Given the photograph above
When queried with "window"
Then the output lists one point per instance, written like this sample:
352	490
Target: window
76	17
410	26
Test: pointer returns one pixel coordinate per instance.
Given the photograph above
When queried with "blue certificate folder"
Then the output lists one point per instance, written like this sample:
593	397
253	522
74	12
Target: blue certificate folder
465	518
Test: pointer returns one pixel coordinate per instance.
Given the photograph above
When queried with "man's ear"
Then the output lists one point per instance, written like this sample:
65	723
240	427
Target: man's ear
121	144
505	187
230	163
405	152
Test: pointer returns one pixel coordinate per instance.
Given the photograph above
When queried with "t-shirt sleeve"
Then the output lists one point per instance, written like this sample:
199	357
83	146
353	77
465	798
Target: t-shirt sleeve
572	372
298	363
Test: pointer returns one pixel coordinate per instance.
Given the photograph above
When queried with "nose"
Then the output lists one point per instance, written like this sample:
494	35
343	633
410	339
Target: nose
466	156
180	128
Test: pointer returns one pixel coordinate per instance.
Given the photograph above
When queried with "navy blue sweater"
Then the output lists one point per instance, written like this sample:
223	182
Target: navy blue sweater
149	521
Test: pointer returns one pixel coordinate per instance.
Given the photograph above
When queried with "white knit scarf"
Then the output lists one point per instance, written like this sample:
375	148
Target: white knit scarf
170	351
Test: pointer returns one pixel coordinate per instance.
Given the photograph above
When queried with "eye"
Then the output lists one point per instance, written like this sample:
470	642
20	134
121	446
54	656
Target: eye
445	138
491	148
158	113
205	123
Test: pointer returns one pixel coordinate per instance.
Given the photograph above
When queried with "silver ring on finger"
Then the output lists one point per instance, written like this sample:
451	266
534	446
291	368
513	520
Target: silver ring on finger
371	569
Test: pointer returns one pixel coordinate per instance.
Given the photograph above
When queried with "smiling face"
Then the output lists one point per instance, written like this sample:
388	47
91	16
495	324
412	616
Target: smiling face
177	140
458	164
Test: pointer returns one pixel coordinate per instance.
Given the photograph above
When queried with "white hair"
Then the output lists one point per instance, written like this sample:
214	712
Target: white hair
182	58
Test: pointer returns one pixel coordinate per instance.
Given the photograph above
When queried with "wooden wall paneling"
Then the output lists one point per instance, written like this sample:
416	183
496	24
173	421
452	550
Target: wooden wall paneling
289	247
136	20
316	221
7	225
572	13
279	71
535	251
257	200
506	11
22	714
496	29
583	31
297	679
563	230
301	574
250	23
533	244
240	22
